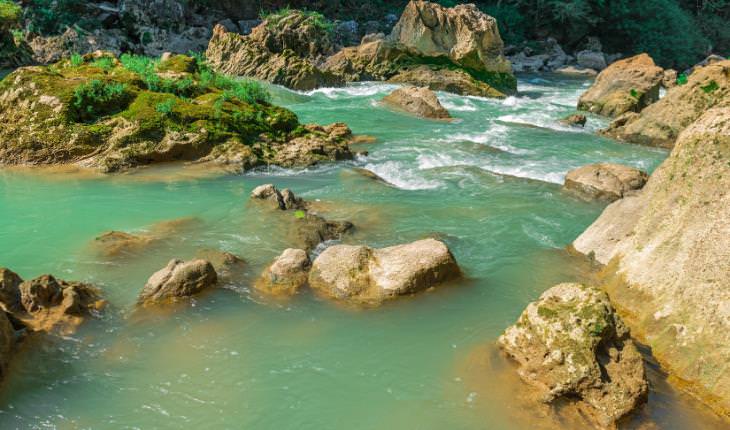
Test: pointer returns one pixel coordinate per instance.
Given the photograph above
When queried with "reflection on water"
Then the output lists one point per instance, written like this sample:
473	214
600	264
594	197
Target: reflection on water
233	359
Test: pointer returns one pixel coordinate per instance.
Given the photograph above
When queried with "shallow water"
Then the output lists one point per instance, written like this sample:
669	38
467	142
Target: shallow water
487	184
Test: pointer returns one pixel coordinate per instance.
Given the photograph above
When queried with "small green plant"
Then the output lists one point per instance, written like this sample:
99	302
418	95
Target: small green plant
76	60
317	20
634	93
300	214
165	107
710	87
104	63
96	98
681	79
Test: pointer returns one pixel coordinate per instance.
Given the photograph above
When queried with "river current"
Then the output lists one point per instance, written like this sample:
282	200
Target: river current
488	184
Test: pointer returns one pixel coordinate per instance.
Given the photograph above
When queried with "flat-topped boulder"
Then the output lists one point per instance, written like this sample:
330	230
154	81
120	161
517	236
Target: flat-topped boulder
627	85
177	280
46	303
113	114
364	275
571	346
660	123
605	181
421	102
286	275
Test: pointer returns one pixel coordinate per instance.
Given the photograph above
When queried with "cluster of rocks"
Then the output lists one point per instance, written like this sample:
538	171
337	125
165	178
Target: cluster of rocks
549	56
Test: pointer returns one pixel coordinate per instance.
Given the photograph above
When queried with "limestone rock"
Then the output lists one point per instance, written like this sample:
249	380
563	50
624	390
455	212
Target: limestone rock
588	59
669	80
177	280
283	200
660	123
626	85
571	345
313	229
361	274
668	246
287	274
576	120
605	181
576	71
452	81
9	292
421	102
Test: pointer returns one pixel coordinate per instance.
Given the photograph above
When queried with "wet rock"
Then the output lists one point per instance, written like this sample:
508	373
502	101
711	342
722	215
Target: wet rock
591	60
605	181
312	229
287	274
576	120
283	200
626	85
9	292
452	81
570	345
421	102
177	280
117	243
660	123
361	274
229	267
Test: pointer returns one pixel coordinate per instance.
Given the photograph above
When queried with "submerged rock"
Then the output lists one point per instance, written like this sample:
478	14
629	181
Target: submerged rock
571	345
605	181
421	102
287	274
660	123
177	280
626	85
361	274
576	120
228	267
449	80
46	303
282	200
102	113
669	251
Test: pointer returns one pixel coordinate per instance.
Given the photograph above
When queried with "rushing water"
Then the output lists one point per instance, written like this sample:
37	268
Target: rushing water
487	184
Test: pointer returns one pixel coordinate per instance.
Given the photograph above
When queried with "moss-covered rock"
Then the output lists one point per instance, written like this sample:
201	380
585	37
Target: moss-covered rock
110	113
14	51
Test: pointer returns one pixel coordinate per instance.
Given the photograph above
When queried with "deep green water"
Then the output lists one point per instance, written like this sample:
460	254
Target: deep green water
487	184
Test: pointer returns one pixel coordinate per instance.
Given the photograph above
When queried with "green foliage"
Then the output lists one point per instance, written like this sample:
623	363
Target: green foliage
634	93
10	13
76	60
318	20
96	98
710	87
681	79
165	107
104	63
54	16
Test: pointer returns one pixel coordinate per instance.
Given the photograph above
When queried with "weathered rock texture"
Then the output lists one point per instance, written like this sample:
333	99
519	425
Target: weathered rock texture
571	345
626	85
668	247
605	181
99	113
449	80
284	52
417	101
13	52
575	120
7	342
46	303
361	274
178	280
282	200
660	123
287	274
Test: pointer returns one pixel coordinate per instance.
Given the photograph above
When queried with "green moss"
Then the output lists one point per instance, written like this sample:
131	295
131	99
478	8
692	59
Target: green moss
10	13
97	98
710	87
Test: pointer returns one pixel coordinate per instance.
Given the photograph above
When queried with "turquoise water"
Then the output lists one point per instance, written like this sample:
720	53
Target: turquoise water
487	184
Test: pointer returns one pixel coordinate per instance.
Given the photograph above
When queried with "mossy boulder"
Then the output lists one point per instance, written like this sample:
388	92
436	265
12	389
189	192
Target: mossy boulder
116	113
14	51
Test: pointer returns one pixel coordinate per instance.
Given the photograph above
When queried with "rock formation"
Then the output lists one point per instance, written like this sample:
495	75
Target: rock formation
575	120
286	275
571	345
669	251
102	113
178	280
7	343
13	52
46	303
605	181
283	200
450	80
360	274
626	85
421	102
660	123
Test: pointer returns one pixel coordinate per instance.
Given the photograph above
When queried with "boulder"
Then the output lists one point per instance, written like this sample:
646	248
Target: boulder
575	120
311	230
571	346
119	243
46	303
669	79
365	275
605	181
282	200
229	267
595	60
287	274
576	71
523	63
668	249
626	85
178	280
421	102
660	123
448	80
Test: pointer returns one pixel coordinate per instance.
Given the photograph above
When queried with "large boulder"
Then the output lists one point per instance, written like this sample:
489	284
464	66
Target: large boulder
605	181
626	85
660	123
450	80
286	275
284	51
590	59
46	303
361	274
421	102
668	247
178	280
571	345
